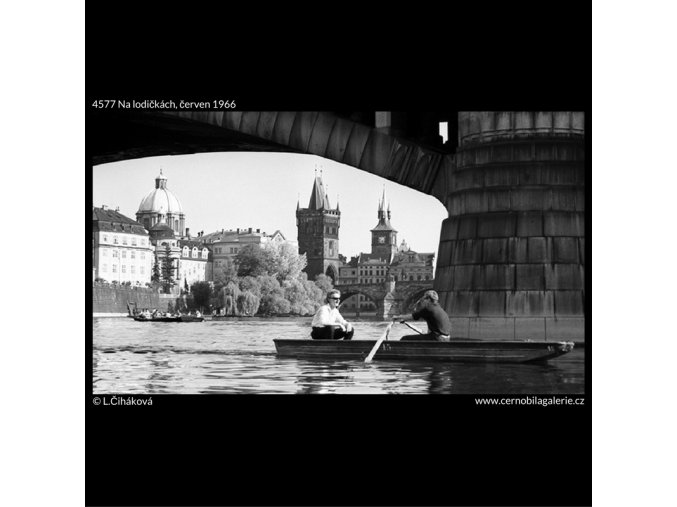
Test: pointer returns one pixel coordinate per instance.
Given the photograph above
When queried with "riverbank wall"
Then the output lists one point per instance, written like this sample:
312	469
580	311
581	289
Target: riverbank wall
112	299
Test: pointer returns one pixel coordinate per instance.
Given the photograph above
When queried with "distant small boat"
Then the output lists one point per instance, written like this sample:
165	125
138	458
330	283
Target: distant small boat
157	319
494	351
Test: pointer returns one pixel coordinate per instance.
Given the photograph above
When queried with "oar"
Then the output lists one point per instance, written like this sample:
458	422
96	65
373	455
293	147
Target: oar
378	343
411	327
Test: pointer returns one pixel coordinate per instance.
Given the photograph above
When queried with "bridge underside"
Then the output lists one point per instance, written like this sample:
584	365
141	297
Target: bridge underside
511	260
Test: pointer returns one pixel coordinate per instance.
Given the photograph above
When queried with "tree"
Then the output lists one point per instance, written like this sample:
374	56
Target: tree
202	292
284	261
324	283
227	273
230	294
248	303
167	270
251	284
155	277
272	296
252	260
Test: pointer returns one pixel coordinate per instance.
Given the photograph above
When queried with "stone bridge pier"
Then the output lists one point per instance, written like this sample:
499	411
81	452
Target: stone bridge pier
512	252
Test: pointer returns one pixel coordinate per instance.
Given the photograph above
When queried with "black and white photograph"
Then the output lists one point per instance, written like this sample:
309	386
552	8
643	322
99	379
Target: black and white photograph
362	280
363	252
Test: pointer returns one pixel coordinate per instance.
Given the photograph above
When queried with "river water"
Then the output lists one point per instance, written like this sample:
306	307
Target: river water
238	356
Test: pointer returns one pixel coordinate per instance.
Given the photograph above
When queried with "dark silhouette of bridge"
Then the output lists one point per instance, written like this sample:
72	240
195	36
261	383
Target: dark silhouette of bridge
511	259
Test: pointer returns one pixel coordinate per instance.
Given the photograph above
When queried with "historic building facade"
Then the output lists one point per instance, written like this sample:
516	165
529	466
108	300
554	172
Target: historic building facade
122	251
318	233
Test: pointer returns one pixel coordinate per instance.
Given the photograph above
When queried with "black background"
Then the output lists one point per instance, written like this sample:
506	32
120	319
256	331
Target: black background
340	450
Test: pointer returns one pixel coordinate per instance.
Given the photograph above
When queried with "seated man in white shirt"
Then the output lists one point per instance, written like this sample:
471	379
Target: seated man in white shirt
328	323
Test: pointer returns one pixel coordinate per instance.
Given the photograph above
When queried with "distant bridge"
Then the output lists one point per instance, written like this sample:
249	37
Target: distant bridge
391	298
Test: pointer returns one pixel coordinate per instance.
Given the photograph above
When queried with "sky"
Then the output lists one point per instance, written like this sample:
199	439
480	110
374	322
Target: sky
261	190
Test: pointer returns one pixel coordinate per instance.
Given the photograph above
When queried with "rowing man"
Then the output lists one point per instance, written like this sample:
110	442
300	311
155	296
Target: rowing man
328	323
439	326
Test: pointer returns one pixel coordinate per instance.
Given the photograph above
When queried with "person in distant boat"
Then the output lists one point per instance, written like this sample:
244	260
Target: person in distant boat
328	323
428	308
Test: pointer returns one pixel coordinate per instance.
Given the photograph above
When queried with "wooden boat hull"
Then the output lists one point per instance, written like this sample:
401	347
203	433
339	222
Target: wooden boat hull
454	351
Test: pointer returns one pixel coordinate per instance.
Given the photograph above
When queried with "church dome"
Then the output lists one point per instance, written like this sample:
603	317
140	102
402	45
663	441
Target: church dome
160	198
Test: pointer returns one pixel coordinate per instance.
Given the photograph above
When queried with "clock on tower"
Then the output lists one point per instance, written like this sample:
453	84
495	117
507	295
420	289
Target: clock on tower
381	239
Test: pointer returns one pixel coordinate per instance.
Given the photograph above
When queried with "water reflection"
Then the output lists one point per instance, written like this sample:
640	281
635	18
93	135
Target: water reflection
239	357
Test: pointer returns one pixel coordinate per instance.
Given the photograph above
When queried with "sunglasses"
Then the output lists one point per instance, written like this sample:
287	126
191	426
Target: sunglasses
336	299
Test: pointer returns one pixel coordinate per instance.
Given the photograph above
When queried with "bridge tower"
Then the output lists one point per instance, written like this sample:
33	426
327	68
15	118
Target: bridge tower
512	252
318	233
384	235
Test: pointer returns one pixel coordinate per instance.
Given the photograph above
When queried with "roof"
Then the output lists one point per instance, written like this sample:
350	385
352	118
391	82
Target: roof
160	200
114	221
192	243
418	258
373	257
384	225
161	231
318	196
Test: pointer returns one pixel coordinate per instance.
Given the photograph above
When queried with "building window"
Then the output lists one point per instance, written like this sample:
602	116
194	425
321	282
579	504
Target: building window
124	254
124	240
104	268
143	256
194	253
104	252
115	268
143	242
142	270
115	254
133	254
115	240
124	268
133	241
105	238
185	251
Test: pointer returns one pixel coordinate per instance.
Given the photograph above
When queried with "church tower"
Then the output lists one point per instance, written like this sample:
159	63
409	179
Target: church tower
318	233
384	235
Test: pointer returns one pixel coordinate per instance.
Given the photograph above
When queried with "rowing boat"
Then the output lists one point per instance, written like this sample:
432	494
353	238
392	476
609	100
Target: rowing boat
158	319
453	351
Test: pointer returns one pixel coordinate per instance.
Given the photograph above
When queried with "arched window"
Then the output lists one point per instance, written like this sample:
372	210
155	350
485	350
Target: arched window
194	253
185	251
